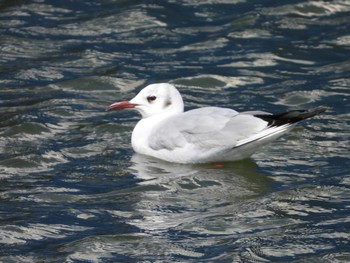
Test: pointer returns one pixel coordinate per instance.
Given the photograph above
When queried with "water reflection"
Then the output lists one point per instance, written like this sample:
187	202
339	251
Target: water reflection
170	198
174	194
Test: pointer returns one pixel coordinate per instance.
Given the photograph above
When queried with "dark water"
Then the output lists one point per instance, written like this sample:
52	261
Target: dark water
73	191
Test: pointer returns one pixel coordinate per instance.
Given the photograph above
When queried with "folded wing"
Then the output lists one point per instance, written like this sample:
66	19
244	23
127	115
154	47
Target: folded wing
212	127
206	128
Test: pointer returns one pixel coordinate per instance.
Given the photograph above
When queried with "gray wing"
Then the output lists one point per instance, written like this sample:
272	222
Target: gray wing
205	128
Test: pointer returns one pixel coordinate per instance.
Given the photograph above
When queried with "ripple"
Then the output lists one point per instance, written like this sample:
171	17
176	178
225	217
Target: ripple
29	129
311	9
216	82
123	247
297	98
251	33
342	41
17	235
264	60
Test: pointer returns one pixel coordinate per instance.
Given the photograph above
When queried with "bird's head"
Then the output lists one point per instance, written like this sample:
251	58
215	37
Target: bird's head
154	99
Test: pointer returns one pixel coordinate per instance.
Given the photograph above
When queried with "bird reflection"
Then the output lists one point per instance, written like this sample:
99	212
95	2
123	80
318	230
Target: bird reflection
172	194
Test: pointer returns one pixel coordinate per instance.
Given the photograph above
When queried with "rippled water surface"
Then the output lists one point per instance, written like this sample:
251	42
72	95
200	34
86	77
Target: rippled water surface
72	190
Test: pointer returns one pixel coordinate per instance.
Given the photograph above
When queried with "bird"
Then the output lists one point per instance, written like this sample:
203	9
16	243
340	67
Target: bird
202	135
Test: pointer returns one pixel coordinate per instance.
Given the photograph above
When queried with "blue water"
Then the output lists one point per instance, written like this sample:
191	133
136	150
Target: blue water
71	188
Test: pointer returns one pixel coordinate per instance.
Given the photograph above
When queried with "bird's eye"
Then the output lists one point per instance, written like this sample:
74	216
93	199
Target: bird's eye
151	98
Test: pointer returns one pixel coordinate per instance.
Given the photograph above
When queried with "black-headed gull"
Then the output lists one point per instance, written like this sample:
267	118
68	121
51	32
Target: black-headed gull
209	134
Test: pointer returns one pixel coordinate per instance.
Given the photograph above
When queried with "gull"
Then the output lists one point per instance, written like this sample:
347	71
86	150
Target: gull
203	135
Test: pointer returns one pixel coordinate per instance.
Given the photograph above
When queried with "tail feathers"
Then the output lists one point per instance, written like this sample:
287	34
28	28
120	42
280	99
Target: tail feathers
290	117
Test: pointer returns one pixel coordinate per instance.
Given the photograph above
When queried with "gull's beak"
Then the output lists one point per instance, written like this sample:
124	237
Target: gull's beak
121	105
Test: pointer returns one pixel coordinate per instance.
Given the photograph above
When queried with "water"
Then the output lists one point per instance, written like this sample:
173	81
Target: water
72	190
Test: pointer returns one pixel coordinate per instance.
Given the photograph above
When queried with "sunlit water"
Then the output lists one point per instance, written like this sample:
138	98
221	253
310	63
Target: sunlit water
73	191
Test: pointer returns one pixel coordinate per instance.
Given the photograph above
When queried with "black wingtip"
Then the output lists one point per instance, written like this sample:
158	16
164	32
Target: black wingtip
310	113
291	116
319	110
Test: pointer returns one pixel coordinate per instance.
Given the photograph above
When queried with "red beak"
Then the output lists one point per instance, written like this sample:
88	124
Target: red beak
121	105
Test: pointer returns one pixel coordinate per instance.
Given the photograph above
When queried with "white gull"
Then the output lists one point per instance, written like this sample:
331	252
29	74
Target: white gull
209	134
